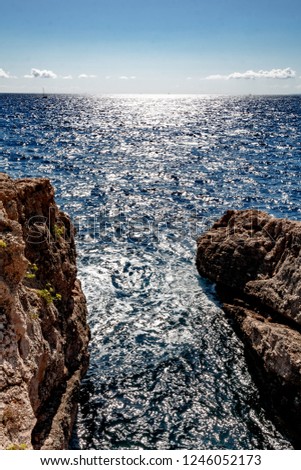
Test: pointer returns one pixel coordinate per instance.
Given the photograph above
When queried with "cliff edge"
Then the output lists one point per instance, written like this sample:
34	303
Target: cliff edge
43	331
255	260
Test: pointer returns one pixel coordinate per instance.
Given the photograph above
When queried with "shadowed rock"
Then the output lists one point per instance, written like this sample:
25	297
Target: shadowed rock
255	261
43	330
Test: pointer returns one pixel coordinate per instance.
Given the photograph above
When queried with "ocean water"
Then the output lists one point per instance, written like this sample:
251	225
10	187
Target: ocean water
142	177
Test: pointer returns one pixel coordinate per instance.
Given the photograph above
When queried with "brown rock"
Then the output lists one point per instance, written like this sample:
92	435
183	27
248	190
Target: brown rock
43	330
255	261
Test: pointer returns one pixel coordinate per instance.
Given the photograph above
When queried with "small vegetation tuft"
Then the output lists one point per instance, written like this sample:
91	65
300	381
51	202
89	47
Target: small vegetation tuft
49	294
17	447
32	269
30	275
58	231
45	294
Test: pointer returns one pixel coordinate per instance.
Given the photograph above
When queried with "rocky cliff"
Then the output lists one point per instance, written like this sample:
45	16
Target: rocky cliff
255	261
43	330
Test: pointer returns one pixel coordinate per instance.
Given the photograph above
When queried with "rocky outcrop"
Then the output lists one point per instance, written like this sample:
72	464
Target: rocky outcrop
255	261
43	330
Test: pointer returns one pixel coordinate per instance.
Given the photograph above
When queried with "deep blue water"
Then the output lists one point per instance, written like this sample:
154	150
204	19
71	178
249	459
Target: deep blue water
141	177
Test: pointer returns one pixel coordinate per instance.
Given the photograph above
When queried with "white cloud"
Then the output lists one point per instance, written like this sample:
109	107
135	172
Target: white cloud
4	74
67	77
37	73
278	74
217	77
125	77
84	75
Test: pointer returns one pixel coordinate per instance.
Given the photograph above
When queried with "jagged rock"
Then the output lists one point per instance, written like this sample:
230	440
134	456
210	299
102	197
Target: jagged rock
43	331
255	260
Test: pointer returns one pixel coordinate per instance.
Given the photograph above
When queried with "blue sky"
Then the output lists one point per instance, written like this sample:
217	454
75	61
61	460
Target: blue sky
136	46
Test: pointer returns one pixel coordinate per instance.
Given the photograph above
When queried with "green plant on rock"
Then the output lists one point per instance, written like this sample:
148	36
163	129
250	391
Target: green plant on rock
58	231
49	287
45	294
17	447
31	272
30	275
2	244
49	294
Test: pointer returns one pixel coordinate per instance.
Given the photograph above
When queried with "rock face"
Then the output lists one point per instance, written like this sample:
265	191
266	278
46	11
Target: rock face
43	330
255	261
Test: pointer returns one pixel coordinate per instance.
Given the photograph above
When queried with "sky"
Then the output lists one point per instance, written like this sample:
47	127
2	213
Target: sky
153	46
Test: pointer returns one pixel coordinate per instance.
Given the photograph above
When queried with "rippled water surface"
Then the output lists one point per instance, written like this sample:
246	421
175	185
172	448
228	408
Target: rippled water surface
142	176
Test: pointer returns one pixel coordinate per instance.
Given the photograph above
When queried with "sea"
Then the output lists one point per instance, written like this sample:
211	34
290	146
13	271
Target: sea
142	176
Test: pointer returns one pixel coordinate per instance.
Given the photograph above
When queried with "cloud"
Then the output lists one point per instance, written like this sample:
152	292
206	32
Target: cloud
217	77
277	74
4	74
67	77
125	77
37	73
84	75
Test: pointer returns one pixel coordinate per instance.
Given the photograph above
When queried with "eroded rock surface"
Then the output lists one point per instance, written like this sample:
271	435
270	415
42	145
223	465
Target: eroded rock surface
255	260
43	330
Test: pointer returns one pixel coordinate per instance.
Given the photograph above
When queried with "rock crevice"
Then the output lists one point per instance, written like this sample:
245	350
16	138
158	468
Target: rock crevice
43	331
